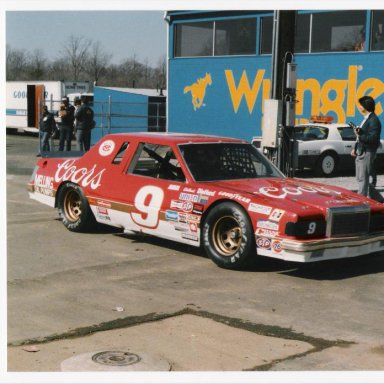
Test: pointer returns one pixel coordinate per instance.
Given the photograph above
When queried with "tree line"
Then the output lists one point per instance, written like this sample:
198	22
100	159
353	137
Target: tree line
83	59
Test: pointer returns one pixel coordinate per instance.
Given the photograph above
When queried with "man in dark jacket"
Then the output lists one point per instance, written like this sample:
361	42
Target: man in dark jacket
368	141
47	126
84	124
67	115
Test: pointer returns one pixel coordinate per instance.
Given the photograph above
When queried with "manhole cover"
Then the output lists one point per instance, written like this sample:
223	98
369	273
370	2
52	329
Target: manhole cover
115	361
116	358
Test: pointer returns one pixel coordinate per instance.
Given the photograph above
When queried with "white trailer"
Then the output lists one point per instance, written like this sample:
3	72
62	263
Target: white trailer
25	99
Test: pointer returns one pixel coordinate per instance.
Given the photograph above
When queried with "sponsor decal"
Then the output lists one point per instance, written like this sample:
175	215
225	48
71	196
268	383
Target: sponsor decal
176	204
263	242
266	232
206	192
44	191
102	213
194	218
182	217
193	227
106	148
203	199
267	225
347	201
44	185
198	209
282	193
258	208
173	187
276	246
234	196
82	176
185	206
44	181
189	197
189	236
276	215
171	215
181	227
189	190
101	210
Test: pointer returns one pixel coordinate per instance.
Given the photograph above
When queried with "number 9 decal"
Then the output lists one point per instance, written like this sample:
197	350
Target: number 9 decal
148	202
311	228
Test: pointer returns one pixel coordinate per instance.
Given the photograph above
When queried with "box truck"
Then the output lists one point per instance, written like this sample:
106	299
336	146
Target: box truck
25	99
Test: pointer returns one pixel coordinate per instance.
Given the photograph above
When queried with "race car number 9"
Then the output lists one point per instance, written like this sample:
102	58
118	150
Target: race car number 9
148	202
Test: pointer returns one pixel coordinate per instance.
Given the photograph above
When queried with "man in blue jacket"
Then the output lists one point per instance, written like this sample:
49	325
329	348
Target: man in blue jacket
368	141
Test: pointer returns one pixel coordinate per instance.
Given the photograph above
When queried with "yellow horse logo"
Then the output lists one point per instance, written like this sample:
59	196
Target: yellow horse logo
198	90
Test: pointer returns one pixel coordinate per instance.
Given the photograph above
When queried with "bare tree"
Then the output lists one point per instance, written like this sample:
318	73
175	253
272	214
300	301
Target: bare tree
98	61
37	64
16	64
76	52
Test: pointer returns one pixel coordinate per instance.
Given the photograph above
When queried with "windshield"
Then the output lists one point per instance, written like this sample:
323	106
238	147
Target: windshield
226	161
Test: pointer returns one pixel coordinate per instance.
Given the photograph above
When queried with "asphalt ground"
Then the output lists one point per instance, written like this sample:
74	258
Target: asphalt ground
72	296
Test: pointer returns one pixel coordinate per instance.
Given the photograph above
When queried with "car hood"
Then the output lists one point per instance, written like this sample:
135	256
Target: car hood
292	194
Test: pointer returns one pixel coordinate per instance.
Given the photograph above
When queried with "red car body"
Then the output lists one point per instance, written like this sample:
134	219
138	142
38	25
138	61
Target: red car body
162	185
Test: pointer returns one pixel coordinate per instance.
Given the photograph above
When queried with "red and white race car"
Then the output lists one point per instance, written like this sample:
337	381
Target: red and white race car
215	191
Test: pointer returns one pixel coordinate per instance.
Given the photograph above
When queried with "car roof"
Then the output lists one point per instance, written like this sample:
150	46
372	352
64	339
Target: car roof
176	138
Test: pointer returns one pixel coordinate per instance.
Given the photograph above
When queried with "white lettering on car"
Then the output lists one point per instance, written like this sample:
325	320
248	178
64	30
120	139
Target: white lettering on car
81	176
277	193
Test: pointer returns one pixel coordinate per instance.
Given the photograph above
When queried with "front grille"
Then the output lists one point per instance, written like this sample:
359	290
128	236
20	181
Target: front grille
348	221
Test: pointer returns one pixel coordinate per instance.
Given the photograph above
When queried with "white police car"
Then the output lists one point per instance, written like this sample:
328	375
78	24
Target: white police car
326	147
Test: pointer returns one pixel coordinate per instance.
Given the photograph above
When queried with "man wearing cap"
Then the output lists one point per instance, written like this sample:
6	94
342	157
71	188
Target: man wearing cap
67	114
367	143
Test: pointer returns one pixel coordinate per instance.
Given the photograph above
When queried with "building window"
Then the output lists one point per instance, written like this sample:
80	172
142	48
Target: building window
194	39
302	36
377	35
235	37
338	31
266	28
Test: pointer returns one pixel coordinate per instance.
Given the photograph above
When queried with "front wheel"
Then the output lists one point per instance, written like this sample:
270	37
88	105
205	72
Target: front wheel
228	237
74	209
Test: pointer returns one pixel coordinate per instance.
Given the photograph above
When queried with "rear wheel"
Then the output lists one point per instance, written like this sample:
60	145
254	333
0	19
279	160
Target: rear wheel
327	164
228	236
74	209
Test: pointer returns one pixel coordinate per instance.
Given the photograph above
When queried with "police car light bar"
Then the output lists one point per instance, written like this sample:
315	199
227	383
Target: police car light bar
322	119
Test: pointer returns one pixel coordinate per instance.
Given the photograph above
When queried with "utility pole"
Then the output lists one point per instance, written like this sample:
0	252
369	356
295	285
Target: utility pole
283	87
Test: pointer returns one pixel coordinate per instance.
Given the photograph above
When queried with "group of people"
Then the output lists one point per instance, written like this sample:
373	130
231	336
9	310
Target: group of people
77	119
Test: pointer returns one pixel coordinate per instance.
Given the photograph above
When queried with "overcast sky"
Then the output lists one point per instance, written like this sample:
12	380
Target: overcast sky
121	33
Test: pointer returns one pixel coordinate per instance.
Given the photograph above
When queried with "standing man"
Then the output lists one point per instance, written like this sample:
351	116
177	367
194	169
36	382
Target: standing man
67	114
47	126
368	140
84	124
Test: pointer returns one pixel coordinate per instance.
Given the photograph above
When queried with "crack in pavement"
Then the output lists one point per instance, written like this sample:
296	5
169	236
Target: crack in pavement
318	344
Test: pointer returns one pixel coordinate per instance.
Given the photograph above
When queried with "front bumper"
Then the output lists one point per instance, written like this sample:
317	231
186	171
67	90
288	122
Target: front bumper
325	249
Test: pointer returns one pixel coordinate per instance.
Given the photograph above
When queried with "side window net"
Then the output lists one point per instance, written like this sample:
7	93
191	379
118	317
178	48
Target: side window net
119	156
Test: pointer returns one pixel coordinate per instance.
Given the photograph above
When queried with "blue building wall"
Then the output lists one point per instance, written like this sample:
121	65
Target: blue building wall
327	84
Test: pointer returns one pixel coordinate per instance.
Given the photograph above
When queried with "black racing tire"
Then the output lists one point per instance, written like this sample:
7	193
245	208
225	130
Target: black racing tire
228	237
74	209
327	164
